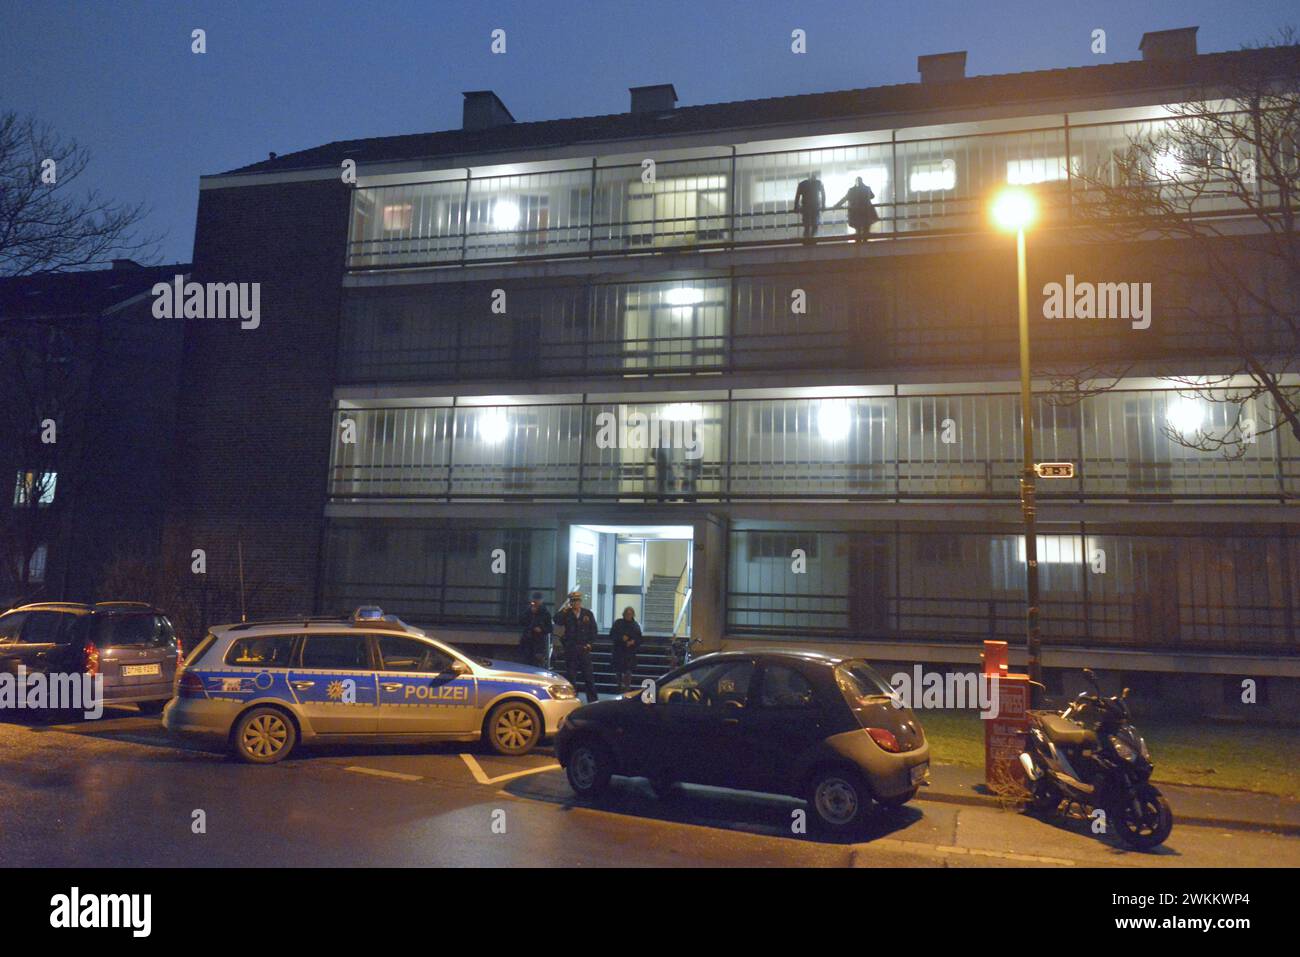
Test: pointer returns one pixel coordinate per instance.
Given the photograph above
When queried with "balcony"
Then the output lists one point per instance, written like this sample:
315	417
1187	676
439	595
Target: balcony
923	185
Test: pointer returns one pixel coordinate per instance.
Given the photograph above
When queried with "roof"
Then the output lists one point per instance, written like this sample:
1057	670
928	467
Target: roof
904	98
83	608
82	293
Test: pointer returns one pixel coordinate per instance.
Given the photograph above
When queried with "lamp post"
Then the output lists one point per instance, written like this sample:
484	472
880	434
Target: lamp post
1014	209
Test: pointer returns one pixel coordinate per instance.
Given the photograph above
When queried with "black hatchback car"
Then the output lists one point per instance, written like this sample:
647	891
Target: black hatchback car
800	723
131	644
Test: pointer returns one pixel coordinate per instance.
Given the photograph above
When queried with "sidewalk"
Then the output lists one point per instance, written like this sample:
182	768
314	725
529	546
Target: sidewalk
1213	807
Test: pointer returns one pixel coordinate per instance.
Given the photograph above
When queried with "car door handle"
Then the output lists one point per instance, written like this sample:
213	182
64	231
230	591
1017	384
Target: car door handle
302	685
731	721
391	685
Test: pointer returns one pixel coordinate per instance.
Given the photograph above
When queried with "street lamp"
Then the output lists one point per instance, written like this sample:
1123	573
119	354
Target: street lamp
1014	210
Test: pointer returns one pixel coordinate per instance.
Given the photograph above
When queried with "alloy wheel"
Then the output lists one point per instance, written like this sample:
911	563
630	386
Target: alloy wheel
265	735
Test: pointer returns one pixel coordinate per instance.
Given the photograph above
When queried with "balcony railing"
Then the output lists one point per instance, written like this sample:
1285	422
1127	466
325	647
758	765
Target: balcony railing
1123	443
921	186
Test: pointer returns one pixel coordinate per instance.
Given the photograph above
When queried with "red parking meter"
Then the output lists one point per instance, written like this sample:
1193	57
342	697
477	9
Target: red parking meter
1004	733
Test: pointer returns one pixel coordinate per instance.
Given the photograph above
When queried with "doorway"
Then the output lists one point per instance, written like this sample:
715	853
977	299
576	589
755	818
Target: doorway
648	568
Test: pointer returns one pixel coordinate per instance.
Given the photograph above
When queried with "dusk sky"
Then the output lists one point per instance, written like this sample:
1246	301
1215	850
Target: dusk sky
120	77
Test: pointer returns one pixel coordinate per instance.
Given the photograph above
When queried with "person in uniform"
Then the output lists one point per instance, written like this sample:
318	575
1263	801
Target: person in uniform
579	626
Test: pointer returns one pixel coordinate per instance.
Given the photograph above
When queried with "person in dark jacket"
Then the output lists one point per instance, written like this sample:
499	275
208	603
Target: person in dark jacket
809	201
626	638
862	212
535	641
579	635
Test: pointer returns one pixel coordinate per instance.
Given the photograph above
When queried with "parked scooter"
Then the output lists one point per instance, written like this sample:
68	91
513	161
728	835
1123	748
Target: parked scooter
1092	756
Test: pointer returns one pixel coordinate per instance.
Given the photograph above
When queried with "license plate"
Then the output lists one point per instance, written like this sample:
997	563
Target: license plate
130	671
920	772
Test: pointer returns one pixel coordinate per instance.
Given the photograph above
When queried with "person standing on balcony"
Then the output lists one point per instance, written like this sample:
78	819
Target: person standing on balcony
579	626
809	201
626	638
862	212
535	642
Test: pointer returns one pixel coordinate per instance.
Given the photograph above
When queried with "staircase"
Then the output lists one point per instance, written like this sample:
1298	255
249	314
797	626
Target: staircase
659	608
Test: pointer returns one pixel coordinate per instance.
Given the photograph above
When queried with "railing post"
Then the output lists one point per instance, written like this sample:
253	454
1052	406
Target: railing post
464	225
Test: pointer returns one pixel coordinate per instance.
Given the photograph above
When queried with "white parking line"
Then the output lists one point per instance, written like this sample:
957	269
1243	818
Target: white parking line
481	776
385	774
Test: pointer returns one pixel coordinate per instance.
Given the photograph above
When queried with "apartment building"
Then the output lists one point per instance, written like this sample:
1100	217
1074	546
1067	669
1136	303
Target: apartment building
599	353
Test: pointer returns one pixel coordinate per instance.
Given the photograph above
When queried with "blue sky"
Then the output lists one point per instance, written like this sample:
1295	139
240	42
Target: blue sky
119	77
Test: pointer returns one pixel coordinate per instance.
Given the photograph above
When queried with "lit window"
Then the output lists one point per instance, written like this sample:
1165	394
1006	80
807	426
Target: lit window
36	565
932	177
397	216
35	487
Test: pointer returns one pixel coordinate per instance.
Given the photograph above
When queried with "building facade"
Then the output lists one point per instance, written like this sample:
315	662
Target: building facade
599	354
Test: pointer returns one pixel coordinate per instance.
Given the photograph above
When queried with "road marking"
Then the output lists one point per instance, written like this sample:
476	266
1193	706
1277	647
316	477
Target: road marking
397	775
481	777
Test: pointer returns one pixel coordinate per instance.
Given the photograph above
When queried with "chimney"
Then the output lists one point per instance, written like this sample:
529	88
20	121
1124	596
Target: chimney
484	110
660	98
120	264
1177	44
942	67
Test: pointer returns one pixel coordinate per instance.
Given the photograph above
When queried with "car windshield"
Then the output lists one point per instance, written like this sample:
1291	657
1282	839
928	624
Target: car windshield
859	679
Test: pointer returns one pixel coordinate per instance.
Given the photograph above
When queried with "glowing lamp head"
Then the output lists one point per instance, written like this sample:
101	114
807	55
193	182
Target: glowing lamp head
1014	209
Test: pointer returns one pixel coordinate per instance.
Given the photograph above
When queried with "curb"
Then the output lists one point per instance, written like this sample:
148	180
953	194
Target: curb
979	800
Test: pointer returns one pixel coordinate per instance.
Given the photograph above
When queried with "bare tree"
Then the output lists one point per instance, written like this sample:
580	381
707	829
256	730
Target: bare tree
1221	177
48	224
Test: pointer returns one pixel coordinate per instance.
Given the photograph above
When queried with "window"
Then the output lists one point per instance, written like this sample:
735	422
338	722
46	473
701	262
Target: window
263	651
784	687
781	544
710	685
46	627
11	625
35	487
137	631
397	217
408	654
36	564
345	652
932	177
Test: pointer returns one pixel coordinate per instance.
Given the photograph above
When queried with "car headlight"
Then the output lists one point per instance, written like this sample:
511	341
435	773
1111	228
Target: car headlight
562	692
1122	748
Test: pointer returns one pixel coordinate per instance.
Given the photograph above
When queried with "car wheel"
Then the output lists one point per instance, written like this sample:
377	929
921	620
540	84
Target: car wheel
151	707
514	727
838	798
589	768
897	800
264	736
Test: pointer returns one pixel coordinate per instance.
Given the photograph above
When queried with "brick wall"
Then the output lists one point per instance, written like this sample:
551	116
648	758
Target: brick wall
253	426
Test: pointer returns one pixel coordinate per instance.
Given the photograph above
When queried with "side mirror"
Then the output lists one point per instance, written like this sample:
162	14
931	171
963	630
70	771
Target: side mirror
459	667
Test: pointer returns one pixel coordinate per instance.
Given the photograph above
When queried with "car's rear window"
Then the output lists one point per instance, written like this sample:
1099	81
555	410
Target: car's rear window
261	651
859	679
140	631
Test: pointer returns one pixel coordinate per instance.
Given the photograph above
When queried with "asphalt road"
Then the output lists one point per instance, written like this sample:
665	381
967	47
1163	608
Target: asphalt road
120	792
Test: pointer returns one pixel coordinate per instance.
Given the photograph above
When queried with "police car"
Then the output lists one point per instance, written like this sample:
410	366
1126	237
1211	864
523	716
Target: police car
262	687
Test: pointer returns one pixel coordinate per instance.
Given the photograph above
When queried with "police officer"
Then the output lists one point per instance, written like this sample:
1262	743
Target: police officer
535	641
579	634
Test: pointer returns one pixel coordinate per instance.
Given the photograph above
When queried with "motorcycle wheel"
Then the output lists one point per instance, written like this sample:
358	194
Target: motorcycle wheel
1045	798
1146	825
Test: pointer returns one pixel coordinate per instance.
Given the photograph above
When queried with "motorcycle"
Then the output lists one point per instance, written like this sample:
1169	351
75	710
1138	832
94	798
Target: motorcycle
1090	755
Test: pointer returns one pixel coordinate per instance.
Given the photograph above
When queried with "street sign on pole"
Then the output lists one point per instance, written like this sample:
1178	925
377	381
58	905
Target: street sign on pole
1064	470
